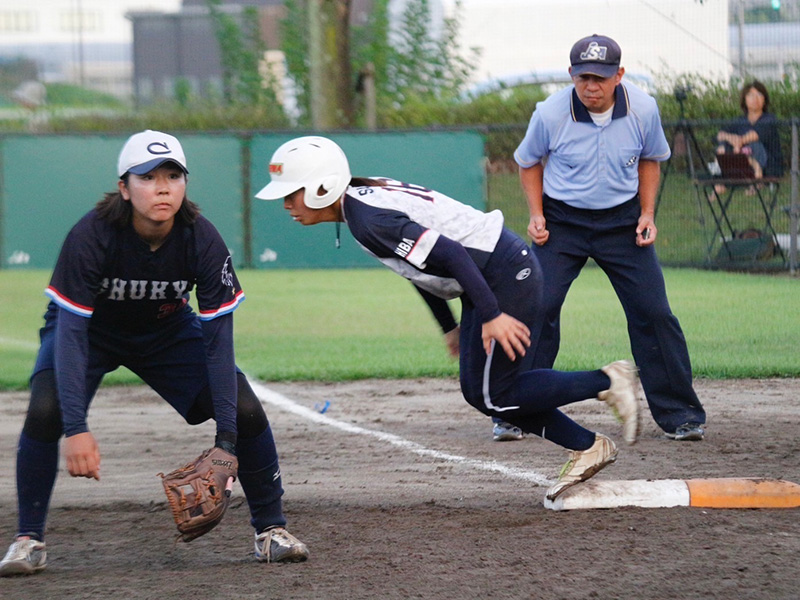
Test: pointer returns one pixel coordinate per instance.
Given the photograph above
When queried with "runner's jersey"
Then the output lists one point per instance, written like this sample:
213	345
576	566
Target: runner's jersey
400	223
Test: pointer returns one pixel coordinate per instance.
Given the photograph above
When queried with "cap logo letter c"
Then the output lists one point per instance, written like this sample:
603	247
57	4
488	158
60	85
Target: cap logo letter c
158	148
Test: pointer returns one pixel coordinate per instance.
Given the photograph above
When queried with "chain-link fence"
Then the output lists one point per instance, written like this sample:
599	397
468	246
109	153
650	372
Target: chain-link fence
750	227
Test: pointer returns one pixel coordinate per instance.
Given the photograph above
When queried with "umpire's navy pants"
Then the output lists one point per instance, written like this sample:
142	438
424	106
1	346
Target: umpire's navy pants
659	348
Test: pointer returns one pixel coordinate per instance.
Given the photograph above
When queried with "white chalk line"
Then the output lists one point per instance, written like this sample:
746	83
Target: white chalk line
14	343
274	398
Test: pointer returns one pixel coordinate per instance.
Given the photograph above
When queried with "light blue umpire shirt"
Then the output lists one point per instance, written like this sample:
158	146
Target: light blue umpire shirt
593	166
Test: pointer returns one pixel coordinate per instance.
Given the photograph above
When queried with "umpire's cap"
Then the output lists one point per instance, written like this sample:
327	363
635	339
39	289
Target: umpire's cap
595	55
147	150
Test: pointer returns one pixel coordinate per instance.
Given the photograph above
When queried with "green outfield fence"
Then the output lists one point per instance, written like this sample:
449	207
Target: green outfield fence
48	181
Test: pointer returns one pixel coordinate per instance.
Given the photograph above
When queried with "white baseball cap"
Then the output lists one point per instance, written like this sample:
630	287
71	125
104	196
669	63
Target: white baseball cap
148	150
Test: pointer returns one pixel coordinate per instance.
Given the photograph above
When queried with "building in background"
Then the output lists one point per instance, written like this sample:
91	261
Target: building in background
532	38
770	51
84	42
181	46
140	48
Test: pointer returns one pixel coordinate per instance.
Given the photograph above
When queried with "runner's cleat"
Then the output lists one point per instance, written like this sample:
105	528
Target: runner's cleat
582	464
622	397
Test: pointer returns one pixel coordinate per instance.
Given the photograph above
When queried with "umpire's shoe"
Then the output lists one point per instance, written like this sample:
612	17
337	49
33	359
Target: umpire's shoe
278	545
24	557
688	432
622	397
506	432
582	464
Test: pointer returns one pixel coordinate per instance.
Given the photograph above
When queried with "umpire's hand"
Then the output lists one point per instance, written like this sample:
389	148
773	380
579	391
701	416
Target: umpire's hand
537	229
646	231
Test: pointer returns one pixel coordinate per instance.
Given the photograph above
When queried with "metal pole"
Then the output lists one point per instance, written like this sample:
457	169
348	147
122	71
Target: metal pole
82	75
315	63
794	208
370	101
740	20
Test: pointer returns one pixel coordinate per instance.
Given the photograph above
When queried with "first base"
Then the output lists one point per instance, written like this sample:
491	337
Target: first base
666	493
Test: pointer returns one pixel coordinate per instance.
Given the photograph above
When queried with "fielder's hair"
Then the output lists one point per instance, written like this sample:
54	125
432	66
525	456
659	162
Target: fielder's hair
119	212
754	85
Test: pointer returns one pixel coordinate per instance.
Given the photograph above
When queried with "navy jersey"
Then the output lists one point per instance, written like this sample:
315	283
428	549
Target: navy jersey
112	276
134	301
400	223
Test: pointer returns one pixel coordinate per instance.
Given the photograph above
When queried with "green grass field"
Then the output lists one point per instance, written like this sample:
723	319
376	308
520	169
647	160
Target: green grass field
352	324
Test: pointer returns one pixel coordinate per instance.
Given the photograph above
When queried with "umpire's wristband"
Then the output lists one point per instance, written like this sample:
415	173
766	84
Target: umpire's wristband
227	441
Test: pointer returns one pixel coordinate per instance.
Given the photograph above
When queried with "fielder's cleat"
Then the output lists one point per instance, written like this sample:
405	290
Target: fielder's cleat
688	432
622	397
278	545
582	464
24	557
506	432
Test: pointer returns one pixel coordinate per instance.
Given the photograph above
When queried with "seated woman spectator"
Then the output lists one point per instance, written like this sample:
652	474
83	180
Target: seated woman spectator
755	133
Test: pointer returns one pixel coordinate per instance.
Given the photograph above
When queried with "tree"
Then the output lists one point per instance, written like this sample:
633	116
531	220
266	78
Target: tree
331	80
423	66
414	65
295	45
241	53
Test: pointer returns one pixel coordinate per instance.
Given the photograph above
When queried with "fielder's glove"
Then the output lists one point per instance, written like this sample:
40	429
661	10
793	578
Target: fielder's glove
199	492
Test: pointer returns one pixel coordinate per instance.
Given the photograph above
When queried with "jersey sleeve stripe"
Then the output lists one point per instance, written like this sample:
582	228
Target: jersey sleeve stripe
228	307
65	303
419	253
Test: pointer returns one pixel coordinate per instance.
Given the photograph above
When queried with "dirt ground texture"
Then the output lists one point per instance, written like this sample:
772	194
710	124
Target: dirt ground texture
399	492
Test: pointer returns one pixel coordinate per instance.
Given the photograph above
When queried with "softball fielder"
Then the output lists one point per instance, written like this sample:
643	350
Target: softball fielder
450	250
119	296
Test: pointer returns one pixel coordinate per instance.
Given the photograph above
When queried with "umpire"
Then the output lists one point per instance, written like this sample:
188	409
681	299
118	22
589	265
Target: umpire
589	167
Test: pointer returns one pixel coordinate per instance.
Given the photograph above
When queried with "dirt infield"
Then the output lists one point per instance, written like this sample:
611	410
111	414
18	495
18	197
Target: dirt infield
399	492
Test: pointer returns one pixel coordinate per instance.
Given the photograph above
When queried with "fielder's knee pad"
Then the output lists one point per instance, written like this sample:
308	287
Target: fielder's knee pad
251	420
43	422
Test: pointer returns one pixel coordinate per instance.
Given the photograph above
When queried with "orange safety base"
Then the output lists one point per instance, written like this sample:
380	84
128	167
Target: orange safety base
743	493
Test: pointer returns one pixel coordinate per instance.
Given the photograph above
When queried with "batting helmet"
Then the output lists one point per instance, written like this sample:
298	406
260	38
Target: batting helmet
311	162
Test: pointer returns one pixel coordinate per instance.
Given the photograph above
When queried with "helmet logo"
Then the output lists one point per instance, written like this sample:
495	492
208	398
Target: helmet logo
276	168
